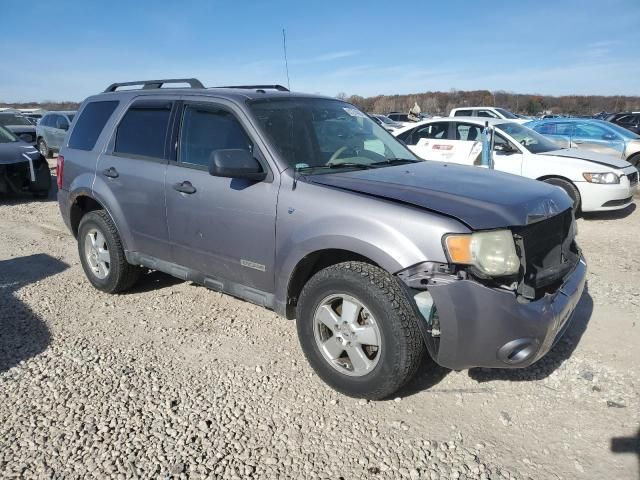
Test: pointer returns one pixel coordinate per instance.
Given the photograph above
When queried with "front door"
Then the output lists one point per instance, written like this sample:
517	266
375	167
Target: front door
221	227
509	158
131	173
598	139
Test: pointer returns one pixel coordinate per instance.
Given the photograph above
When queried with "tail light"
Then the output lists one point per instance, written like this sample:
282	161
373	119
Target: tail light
60	171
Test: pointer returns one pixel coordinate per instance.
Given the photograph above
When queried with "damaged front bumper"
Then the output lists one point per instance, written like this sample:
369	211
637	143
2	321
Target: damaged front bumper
467	324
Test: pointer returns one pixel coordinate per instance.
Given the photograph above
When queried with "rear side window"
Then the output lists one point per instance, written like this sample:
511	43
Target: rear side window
206	130
143	130
486	114
463	113
89	124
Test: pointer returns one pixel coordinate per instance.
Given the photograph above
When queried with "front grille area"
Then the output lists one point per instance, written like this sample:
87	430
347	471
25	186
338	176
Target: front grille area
633	178
549	252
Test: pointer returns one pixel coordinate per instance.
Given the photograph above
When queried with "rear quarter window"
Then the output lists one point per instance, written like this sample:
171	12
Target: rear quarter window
90	123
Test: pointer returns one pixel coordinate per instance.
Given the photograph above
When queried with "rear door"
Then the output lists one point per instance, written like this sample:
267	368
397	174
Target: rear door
133	170
433	141
221	227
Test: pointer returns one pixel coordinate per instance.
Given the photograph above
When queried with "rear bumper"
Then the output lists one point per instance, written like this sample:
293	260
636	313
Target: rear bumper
64	204
485	327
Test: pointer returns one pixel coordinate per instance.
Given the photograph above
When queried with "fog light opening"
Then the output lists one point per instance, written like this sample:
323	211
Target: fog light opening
517	351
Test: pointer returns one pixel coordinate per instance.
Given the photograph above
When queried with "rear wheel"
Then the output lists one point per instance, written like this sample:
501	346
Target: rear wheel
102	255
358	330
568	187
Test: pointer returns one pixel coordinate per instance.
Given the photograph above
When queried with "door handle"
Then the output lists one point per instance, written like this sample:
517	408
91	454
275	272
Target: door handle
184	187
111	172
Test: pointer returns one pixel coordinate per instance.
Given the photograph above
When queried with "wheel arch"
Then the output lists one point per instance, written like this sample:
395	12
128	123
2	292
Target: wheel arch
311	264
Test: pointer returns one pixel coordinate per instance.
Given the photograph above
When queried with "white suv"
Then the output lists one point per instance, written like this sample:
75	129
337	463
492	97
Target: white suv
486	112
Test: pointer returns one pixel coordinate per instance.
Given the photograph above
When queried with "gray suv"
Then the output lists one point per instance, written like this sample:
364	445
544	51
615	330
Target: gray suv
304	205
51	130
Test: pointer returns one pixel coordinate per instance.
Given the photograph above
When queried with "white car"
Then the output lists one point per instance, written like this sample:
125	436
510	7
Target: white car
594	181
487	112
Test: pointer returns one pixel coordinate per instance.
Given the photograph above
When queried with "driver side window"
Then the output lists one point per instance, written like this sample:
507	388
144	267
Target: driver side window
503	144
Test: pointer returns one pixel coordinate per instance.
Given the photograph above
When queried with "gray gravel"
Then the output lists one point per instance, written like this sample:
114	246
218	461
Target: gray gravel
176	381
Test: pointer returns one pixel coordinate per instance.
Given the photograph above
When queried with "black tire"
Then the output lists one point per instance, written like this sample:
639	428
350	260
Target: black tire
44	148
634	160
122	275
402	348
571	190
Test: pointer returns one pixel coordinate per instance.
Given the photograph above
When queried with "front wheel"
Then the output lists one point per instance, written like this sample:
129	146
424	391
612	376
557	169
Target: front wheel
358	330
568	187
102	255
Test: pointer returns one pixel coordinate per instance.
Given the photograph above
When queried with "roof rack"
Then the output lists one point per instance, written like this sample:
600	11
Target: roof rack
280	88
151	84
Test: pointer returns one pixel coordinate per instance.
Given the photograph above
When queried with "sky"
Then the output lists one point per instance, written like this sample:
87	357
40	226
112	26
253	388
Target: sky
356	47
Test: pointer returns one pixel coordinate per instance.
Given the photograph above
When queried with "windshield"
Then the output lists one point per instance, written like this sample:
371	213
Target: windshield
314	135
628	134
531	140
13	119
506	113
6	136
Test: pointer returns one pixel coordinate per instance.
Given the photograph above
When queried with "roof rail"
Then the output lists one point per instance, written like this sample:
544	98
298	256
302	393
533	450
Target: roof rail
280	88
151	84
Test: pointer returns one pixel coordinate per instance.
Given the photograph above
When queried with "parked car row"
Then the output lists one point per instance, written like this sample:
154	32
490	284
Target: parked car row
594	181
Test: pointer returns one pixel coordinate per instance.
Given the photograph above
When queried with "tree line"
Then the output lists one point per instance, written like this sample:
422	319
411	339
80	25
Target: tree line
441	103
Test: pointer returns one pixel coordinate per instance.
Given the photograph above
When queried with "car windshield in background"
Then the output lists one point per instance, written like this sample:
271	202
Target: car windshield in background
13	119
531	140
506	113
6	136
315	135
628	134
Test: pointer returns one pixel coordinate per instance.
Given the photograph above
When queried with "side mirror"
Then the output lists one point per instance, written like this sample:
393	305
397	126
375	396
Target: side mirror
63	126
235	163
504	148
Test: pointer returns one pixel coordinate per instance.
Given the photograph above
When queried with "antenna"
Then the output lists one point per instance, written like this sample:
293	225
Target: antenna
286	63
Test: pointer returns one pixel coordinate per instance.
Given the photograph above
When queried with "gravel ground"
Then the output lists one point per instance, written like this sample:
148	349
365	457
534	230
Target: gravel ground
175	381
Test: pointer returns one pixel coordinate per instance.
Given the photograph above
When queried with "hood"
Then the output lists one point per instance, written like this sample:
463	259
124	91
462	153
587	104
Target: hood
21	128
13	152
478	197
589	156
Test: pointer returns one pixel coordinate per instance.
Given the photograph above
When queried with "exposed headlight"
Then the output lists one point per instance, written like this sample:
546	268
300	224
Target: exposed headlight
609	177
492	253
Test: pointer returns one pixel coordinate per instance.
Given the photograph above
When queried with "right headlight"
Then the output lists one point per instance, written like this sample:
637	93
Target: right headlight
608	177
492	253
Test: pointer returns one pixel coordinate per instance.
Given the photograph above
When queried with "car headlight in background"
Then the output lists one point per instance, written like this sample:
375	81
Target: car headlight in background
492	253
609	177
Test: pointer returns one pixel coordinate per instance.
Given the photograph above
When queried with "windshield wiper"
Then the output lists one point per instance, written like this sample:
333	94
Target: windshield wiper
363	166
396	161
